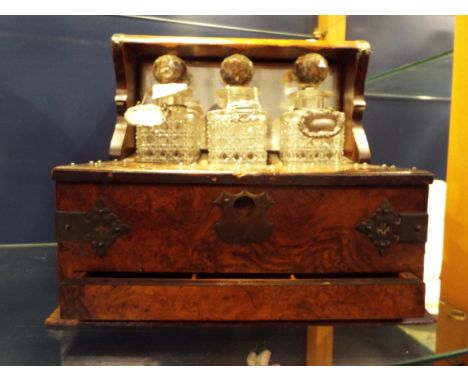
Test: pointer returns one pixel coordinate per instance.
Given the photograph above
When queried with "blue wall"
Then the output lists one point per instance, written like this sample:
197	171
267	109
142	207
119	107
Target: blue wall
402	132
57	88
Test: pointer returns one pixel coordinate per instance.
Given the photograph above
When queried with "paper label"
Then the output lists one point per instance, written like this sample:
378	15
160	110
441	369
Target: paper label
165	90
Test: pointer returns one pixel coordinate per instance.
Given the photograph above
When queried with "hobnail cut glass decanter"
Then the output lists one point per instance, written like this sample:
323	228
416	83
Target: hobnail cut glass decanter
311	133
174	129
237	131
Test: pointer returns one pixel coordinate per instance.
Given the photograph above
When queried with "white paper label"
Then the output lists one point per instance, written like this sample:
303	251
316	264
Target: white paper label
165	90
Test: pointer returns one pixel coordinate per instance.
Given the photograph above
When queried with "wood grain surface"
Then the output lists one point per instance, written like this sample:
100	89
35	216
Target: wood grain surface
241	300
172	230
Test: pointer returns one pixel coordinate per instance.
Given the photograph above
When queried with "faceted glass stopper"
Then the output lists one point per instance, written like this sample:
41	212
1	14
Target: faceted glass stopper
237	70
169	68
311	68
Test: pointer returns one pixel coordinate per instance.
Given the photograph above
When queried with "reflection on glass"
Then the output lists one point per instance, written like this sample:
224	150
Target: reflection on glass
421	342
237	131
309	132
425	80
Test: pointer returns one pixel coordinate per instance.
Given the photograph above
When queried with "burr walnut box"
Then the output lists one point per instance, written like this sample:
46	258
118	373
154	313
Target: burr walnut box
202	242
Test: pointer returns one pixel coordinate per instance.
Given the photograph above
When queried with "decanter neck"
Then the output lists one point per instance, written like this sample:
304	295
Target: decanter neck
308	98
238	97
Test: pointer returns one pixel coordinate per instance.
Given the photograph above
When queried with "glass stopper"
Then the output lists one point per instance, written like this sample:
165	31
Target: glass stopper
237	70
169	68
311	68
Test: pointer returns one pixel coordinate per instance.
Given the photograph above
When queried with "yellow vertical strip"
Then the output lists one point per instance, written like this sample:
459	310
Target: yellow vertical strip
332	27
319	346
454	277
452	331
320	338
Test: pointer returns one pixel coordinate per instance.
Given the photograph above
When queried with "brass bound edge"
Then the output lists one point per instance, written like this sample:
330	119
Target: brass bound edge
119	174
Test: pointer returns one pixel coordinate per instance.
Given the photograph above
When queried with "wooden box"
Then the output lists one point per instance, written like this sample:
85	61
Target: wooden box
145	242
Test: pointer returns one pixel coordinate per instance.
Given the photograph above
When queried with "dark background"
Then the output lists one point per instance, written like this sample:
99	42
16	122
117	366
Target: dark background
57	89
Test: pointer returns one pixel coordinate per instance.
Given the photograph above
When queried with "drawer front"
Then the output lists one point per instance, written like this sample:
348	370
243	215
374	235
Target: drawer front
176	228
128	299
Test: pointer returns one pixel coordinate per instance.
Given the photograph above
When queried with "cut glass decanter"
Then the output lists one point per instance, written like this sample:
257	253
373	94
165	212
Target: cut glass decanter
309	132
237	130
170	128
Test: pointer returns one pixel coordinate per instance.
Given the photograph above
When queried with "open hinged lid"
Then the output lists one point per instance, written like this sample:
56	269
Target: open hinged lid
348	60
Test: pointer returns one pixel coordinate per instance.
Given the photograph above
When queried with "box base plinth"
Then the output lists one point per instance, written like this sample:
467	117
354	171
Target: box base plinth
55	322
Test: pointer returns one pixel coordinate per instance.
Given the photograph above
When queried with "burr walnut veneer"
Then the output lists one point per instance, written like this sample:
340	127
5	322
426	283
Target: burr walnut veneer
186	248
143	242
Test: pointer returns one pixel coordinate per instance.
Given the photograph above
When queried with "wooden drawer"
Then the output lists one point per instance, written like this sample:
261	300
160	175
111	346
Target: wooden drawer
101	297
172	228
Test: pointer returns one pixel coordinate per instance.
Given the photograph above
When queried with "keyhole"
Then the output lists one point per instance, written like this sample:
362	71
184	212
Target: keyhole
244	206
